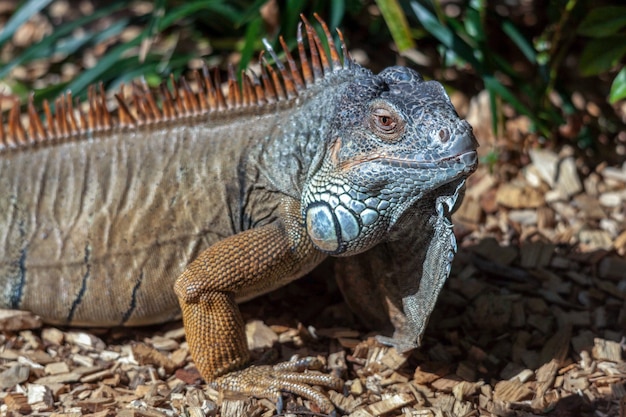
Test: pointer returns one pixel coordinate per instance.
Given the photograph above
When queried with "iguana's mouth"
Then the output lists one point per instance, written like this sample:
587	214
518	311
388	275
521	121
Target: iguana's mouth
469	159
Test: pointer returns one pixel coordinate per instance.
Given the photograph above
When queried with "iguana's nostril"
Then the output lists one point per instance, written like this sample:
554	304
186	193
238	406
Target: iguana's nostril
463	141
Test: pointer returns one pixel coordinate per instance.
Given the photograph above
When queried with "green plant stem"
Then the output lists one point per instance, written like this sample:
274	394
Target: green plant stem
557	50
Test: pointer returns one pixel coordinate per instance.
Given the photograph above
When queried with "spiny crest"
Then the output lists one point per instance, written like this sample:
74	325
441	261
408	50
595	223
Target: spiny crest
142	107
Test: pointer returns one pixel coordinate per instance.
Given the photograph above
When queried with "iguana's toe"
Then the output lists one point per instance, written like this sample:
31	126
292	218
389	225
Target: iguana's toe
270	381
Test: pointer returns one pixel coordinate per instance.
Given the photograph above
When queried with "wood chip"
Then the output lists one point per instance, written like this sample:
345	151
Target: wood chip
430	371
85	340
446	383
40	397
56	368
595	240
465	389
14	320
52	335
526	217
147	355
393	359
512	391
545	378
385	406
535	255
17	402
14	375
568	180
614	173
490	249
545	162
589	207
612	199
259	335
164	343
612	267
519	197
607	350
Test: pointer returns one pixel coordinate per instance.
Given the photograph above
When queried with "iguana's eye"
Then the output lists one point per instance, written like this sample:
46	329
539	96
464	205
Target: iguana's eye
386	123
384	120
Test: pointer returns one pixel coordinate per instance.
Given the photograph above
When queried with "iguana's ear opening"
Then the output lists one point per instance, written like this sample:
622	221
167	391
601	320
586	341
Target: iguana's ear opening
324	229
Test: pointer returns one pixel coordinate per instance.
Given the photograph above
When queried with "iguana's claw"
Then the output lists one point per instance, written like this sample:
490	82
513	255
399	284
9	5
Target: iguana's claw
269	381
401	345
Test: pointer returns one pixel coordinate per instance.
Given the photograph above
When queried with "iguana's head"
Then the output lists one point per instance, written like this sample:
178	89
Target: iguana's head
395	139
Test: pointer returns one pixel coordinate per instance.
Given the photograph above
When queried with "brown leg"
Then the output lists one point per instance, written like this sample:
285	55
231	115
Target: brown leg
245	264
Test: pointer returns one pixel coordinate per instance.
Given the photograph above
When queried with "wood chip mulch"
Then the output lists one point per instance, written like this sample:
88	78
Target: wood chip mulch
530	323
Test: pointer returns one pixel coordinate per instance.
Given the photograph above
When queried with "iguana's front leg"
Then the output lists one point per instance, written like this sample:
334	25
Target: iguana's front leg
248	263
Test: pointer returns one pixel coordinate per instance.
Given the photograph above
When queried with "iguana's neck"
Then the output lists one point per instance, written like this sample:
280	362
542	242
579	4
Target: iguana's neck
300	134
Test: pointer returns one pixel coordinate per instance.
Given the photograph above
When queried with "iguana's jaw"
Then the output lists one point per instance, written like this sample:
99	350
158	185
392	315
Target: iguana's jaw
341	220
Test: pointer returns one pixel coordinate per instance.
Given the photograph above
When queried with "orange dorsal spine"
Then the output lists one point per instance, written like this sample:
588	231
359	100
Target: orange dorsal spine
141	107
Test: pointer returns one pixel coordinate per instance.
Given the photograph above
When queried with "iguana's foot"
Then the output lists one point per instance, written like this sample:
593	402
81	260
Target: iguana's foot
269	381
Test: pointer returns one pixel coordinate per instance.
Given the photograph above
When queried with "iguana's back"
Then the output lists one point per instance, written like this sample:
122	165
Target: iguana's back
87	222
96	230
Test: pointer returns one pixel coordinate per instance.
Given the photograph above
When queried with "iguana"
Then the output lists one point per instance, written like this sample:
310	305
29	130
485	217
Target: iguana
194	200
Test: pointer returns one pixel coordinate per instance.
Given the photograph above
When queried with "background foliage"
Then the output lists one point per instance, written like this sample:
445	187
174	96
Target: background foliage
531	57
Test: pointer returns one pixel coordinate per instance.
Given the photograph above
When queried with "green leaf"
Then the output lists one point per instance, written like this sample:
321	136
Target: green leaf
192	8
446	36
153	28
289	20
21	16
107	61
603	21
396	22
603	54
44	47
337	10
520	41
497	88
618	88
430	22
253	34
474	22
250	13
71	44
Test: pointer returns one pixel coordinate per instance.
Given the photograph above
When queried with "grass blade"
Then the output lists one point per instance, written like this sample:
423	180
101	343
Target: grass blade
446	36
520	41
396	22
44	47
21	16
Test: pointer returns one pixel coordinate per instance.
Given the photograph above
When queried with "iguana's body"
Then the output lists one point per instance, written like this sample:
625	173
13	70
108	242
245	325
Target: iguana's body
120	216
96	228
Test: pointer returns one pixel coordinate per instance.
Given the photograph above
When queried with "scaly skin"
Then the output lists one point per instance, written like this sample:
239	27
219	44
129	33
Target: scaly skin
367	168
389	164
